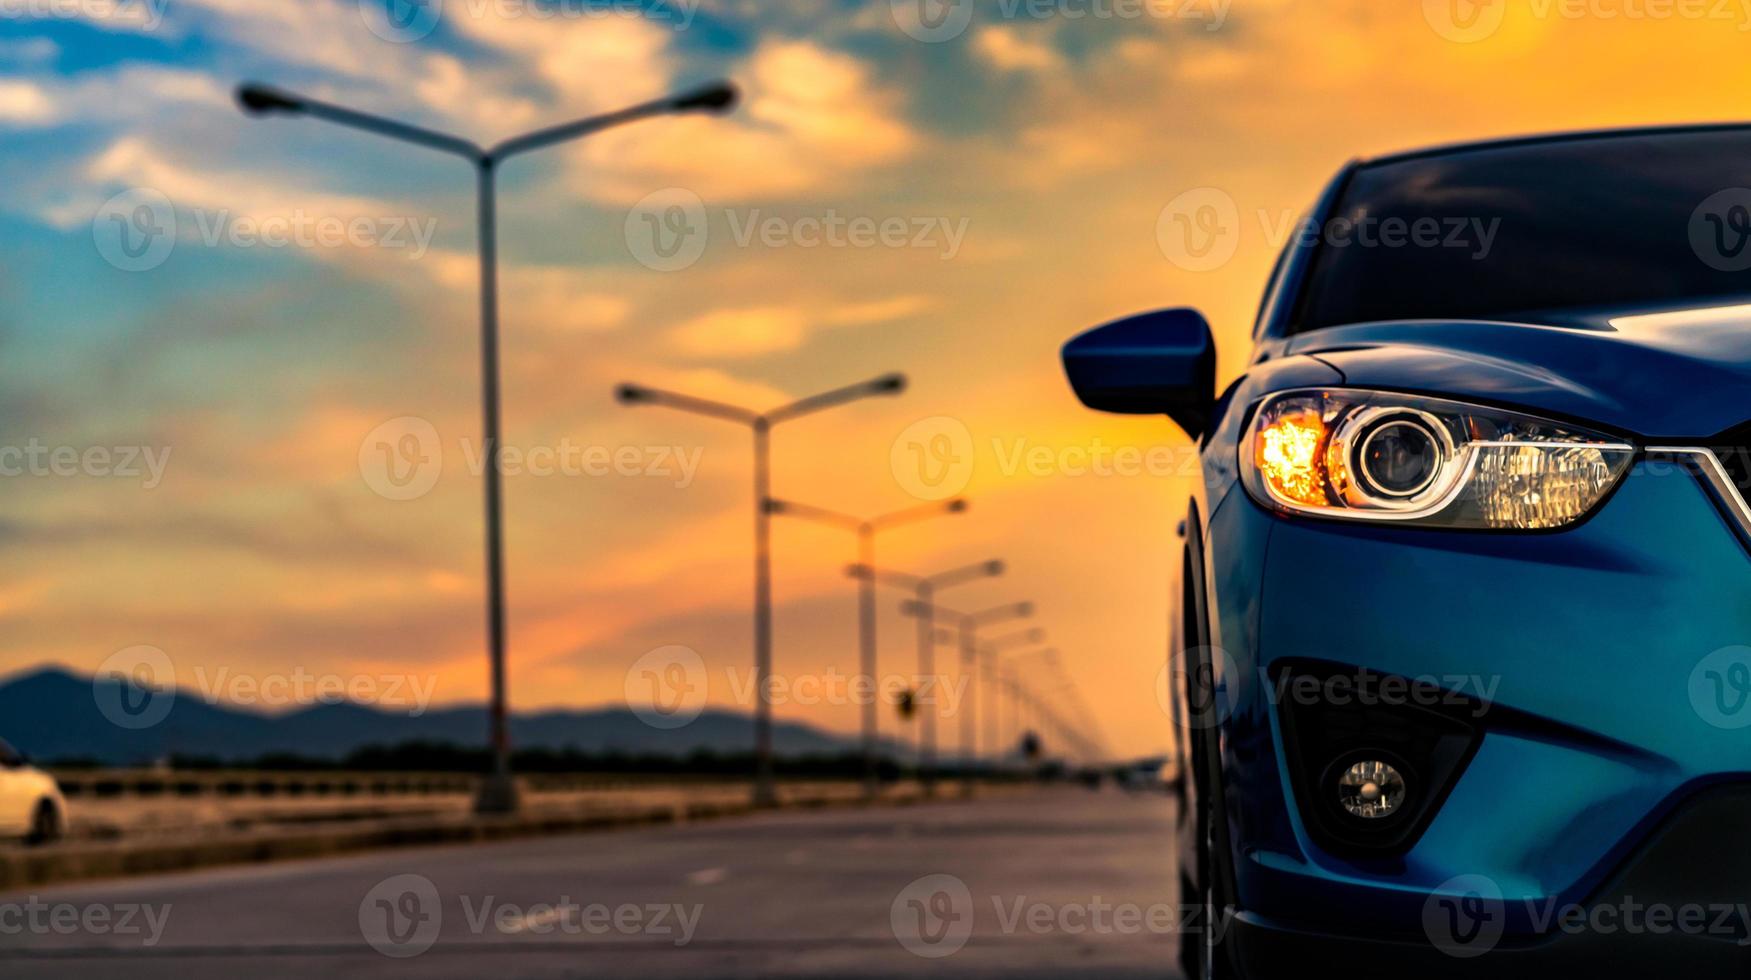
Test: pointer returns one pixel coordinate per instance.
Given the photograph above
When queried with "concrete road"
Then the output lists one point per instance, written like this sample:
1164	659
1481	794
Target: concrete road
1048	883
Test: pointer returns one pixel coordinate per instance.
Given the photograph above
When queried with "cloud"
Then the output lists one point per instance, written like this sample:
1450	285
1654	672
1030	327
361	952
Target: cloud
128	94
1005	49
741	333
24	102
752	331
813	119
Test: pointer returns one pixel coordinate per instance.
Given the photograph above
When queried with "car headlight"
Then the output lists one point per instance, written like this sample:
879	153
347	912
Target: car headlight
1369	455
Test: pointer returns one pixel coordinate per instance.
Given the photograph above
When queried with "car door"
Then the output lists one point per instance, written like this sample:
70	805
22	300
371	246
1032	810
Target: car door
17	792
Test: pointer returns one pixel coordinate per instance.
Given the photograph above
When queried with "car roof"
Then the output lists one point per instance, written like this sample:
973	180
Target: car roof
1449	149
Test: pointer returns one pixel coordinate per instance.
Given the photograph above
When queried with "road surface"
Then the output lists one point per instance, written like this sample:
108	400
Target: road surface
1049	883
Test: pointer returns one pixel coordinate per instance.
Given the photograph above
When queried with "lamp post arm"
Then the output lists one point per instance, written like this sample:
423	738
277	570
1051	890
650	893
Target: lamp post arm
565	132
912	515
640	395
888	384
259	99
819	515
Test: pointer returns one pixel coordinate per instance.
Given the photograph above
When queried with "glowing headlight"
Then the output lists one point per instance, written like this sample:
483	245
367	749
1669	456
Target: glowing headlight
1379	456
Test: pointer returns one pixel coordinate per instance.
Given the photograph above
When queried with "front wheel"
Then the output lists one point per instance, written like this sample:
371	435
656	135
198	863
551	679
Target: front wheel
1205	948
45	824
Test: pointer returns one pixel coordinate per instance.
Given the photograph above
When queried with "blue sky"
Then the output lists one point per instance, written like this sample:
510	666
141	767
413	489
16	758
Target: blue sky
1030	154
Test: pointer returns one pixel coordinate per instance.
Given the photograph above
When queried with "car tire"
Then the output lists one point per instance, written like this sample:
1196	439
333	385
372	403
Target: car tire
1206	949
45	824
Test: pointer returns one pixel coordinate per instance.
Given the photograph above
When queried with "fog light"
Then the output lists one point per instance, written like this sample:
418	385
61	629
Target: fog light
1371	790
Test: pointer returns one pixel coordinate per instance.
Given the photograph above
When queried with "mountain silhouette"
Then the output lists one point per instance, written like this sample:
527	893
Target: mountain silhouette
52	713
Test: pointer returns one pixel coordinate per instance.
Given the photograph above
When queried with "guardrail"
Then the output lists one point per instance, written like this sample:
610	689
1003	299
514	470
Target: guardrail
99	784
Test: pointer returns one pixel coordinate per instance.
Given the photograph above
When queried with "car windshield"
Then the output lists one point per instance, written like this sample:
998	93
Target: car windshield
1616	222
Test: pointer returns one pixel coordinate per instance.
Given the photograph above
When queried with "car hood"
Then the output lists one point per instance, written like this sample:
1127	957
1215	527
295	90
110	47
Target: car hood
1672	374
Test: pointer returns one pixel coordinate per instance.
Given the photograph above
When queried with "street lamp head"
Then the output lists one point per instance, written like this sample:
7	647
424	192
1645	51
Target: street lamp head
888	384
630	394
775	506
716	98
994	568
261	100
1024	609
957	506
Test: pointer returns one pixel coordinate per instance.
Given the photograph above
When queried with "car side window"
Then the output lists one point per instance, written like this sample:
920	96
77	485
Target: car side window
9	757
1268	297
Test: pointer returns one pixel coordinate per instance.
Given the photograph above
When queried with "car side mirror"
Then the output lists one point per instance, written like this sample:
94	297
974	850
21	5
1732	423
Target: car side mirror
1152	363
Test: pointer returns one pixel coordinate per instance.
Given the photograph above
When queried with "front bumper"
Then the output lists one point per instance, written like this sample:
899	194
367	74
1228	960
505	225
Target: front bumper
1679	908
1586	643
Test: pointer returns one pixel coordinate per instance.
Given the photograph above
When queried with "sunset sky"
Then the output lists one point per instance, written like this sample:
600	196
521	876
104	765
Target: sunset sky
1021	165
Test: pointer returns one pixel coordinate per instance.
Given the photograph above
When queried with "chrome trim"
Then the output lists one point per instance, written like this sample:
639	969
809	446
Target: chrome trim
1715	474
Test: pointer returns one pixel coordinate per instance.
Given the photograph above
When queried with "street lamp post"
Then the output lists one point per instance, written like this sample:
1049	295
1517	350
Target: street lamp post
993	651
498	793
761	424
924	589
967	627
1091	743
866	529
1023	706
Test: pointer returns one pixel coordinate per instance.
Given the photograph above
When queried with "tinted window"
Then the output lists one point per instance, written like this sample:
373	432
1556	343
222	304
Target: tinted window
1616	222
9	757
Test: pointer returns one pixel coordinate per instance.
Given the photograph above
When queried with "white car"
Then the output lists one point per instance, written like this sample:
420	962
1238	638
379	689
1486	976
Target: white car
31	806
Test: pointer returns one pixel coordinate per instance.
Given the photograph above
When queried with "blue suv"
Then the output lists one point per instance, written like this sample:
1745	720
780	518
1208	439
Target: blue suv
1462	668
